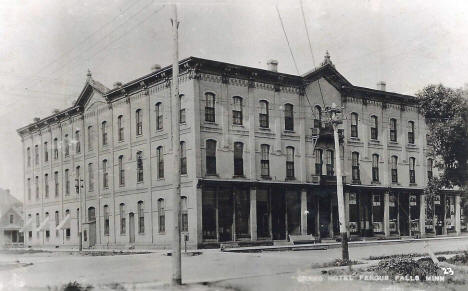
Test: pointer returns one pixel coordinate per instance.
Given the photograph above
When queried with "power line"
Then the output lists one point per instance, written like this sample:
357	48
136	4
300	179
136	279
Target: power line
287	40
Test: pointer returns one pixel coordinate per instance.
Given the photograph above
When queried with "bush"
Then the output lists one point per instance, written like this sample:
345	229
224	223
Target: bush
460	259
406	266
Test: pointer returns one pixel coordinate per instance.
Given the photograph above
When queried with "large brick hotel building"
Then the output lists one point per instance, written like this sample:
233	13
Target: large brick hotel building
250	171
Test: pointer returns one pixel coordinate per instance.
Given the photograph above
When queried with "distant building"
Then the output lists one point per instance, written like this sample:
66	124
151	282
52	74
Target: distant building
250	170
11	220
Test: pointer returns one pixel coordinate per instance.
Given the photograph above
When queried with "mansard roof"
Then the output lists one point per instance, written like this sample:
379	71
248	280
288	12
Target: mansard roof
194	66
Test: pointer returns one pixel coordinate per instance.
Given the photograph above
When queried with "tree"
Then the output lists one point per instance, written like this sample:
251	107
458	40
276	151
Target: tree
445	111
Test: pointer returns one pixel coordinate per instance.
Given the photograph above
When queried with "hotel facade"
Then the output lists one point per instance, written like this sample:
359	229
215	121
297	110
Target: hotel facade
257	162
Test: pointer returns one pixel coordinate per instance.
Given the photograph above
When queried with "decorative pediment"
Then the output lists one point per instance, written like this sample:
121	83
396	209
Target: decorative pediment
92	92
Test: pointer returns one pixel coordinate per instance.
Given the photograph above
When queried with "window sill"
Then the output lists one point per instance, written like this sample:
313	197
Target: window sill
396	183
212	175
287	131
290	179
159	130
211	123
238	176
413	184
375	182
356	182
140	182
393	142
122	185
162	233
266	177
161	179
264	128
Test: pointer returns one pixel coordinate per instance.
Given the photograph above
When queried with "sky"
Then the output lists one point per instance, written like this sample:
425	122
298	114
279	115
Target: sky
47	47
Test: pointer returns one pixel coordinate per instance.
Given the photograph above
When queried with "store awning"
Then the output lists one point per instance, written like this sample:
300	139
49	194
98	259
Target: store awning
27	225
43	225
65	223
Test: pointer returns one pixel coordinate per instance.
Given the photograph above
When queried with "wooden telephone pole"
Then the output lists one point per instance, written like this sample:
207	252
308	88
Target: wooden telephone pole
176	255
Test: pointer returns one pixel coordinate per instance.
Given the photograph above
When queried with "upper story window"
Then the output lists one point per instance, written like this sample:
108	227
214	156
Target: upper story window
211	157
38	221
430	165
210	107
28	154
46	152
106	220
57	221
56	154
105	175
104	132
56	183
375	168
90	177
355	167
37	187
183	158
290	162
141	217
123	222
411	132
139	122
139	159
160	157
393	129
265	160
77	179
78	142
121	172
264	114
412	171
354	124
317	117
330	161
66	141
318	161
29	188
90	138
237	110
36	154
182	110
67	182
238	159
184	214
46	185
394	165
120	128
11	218
374	127
161	215
288	117
158	108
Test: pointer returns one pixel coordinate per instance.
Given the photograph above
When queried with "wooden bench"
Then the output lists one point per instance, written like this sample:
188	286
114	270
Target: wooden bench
302	239
229	245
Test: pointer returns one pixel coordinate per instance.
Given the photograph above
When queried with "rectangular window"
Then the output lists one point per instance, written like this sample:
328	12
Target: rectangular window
330	163
354	125
56	182
90	177
11	218
429	168
288	117
182	116
375	168
355	168
237	111
37	187
28	154
412	172
77	180
122	219
159	116
289	162
141	217
411	132
263	115
393	130
318	162
160	162
46	152
139	122
162	216
36	154
56	154
90	138
210	107
106	220
67	182
78	142
105	175
56	223
183	159
139	167
374	127
29	188
238	159
120	128
104	133
184	214
121	172
265	160
67	146
210	157
394	169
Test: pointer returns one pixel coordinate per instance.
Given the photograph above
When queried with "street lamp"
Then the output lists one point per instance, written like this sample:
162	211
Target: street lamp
78	186
336	119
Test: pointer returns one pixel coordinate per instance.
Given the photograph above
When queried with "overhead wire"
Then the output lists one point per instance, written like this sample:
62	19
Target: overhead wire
287	40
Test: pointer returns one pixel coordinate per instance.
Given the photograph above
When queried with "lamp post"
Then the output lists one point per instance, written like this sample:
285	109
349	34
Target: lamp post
336	119
78	186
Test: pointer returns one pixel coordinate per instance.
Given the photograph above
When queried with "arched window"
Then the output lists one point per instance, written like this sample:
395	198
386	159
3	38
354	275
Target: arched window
211	157
183	158
90	177
120	128
159	115
56	184
265	160
57	222
429	168
411	132
139	167
184	213
374	127
238	159
77	179
330	161
318	161
106	220
394	169
141	217
36	154
139	122
56	155
182	110
29	188
46	152
37	187
67	182
123	222
393	129
160	156
317	117
38	220
290	162
105	175
47	231
46	185
288	117
161	215
210	107
375	168
354	124
78	142
237	110
412	171
90	138
104	132
264	114
355	167
28	154
121	172
66	141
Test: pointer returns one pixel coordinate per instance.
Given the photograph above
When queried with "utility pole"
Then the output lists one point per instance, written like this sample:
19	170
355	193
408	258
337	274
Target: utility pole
335	120
176	255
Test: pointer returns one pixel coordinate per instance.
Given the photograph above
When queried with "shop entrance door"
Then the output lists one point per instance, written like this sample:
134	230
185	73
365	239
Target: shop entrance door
404	214
278	215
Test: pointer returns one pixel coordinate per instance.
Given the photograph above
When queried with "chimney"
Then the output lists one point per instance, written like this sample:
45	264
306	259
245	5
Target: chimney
382	86
117	85
156	67
36	119
272	65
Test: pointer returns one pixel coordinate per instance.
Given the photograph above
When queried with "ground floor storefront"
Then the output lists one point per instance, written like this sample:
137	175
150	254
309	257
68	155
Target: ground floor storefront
273	211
